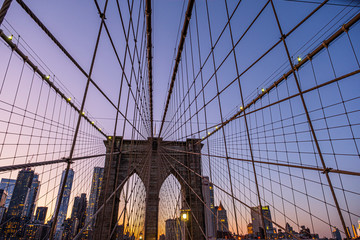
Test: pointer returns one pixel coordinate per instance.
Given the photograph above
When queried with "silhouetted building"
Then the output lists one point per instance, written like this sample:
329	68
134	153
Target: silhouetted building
21	191
2	213
173	229
222	221
64	202
31	198
3	196
208	195
78	214
336	234
94	194
250	228
40	215
36	231
8	185
257	222
67	232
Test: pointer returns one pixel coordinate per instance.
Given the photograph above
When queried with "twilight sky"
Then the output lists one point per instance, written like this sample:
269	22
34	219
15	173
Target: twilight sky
279	133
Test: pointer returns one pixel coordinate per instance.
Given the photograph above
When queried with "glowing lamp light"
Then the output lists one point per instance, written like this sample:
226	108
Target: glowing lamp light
10	37
93	122
110	137
241	108
185	214
83	113
216	127
299	59
47	77
141	236
263	90
69	99
100	129
202	137
209	133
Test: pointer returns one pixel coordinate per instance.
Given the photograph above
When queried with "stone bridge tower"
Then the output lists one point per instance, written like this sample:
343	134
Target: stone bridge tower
153	160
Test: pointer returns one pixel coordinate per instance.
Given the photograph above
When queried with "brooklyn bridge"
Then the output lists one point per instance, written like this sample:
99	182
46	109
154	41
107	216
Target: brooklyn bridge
180	120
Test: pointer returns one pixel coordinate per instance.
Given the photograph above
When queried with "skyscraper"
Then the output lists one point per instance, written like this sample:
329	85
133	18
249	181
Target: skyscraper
32	197
21	191
173	229
208	194
8	185
94	194
222	224
64	202
256	220
336	234
40	215
78	213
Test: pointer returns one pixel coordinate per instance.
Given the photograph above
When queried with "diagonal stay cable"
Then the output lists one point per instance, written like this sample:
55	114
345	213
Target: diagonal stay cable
243	203
52	37
333	37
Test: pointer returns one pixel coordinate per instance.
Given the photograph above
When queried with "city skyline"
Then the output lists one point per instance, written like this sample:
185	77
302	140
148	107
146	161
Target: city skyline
244	109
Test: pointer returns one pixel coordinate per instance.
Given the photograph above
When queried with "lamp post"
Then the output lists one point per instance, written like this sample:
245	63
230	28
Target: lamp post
184	216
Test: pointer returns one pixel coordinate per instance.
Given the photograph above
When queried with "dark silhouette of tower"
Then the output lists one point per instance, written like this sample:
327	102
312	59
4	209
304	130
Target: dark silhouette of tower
148	154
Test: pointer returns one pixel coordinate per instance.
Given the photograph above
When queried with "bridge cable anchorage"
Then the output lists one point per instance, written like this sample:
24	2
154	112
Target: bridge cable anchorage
178	58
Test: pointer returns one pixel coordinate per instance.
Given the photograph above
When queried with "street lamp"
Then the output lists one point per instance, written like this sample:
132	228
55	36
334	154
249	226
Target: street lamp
141	236
185	214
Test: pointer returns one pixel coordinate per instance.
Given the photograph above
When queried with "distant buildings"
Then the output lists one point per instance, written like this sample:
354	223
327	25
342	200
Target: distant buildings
8	185
173	229
31	198
20	193
78	214
64	202
257	221
209	210
94	194
40	215
336	234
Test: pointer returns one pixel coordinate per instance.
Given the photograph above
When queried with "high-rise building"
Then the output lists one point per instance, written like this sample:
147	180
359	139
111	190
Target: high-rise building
173	229
78	214
21	191
222	224
8	185
336	234
2	213
250	228
32	197
40	215
3	196
94	194
64	202
256	220
208	194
